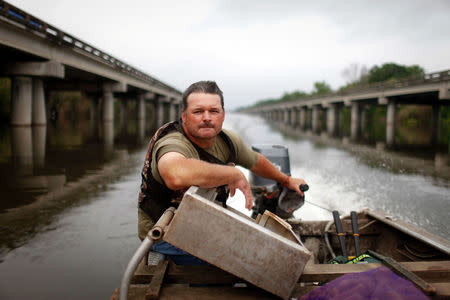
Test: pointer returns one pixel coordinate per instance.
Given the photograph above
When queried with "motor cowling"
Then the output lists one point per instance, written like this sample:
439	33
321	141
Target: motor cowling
269	194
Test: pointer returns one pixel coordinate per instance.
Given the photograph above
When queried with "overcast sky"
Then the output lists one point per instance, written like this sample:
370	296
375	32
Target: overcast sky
256	49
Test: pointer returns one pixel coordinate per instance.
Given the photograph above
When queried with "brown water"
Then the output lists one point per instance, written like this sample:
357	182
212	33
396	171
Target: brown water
68	208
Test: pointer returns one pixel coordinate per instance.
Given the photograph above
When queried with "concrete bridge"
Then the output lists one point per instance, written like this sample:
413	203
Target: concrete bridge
40	58
431	89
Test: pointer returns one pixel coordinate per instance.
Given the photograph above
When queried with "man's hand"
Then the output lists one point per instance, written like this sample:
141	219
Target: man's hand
266	169
294	184
242	184
179	172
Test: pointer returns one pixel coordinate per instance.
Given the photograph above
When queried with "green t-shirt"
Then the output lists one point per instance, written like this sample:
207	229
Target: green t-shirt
177	142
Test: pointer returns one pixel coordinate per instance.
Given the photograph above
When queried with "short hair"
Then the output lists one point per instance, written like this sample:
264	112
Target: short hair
206	87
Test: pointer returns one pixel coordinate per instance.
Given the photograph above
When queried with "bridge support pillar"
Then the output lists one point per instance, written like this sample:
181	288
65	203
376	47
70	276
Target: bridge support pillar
28	102
21	101
165	110
28	97
332	119
390	122
295	112
285	116
315	119
39	116
108	106
39	144
355	129
303	118
159	109
108	136
172	111
177	111
109	89
22	149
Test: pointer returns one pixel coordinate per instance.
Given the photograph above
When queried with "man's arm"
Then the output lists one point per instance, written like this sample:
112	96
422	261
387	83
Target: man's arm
264	168
179	172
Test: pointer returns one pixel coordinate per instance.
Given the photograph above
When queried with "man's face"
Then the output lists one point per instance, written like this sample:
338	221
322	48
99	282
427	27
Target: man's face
203	117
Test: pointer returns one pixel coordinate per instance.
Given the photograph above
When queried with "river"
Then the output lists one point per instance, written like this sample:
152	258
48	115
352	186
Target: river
68	221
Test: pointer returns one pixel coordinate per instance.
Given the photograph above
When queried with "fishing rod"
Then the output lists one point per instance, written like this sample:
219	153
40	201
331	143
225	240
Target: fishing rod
315	204
354	218
340	233
304	188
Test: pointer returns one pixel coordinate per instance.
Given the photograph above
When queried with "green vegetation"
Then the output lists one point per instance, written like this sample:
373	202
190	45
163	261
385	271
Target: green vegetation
346	120
444	130
393	72
375	125
320	88
357	77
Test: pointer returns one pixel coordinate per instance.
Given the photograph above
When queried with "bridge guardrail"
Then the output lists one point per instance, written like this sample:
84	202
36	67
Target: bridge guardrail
60	37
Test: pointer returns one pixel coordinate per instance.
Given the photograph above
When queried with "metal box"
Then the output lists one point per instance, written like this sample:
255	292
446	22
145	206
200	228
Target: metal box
236	244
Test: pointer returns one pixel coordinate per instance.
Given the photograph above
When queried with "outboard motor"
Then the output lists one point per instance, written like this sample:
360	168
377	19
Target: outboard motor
269	194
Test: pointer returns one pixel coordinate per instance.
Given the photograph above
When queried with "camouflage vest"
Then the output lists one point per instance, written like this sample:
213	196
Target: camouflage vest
154	197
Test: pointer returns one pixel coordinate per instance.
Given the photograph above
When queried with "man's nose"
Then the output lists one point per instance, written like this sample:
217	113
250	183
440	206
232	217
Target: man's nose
206	116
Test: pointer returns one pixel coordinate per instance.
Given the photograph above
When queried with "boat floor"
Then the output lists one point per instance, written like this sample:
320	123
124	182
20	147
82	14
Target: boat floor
169	281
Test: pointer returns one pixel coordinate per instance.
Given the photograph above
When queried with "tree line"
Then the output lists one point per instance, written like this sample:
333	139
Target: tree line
356	76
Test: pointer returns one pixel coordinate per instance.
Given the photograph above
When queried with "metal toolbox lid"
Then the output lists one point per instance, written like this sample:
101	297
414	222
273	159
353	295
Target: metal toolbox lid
236	244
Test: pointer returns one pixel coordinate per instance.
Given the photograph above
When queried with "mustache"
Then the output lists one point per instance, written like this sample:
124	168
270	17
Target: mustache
207	125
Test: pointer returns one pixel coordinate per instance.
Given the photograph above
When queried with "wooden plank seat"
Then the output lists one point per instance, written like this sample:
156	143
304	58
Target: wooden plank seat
178	280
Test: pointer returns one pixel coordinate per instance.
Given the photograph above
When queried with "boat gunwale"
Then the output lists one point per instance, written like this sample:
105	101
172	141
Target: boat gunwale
420	234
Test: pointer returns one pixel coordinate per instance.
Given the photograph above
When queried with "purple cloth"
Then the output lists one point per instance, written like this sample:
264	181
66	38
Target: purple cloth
377	284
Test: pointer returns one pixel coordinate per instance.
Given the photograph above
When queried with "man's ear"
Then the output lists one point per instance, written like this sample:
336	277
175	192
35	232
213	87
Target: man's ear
183	116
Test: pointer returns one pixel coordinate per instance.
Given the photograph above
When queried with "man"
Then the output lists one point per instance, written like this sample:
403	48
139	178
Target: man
196	151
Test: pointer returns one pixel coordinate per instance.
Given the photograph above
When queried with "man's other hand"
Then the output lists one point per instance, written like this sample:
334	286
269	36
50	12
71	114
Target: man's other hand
242	184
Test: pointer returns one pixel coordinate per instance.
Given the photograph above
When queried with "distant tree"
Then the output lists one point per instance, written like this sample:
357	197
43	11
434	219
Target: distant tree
295	95
265	101
355	73
392	71
320	88
357	76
